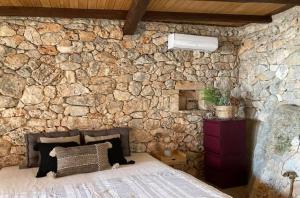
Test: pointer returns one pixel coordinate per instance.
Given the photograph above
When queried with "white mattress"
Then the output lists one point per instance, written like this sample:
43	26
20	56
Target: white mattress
154	174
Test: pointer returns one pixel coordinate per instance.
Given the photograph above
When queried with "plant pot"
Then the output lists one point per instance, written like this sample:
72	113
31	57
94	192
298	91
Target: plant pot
224	112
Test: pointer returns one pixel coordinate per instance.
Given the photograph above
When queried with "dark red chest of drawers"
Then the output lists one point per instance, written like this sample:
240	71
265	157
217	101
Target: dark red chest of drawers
225	155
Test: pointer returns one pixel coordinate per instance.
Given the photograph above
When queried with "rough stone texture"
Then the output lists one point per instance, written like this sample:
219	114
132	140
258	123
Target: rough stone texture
76	110
69	66
62	74
74	89
269	77
12	85
15	61
7	102
85	100
6	30
46	74
282	143
32	35
135	88
32	95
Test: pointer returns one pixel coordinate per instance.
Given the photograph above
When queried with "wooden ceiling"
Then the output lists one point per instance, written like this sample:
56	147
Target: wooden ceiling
213	12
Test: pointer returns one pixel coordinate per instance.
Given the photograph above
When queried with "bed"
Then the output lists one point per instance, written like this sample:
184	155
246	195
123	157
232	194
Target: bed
146	178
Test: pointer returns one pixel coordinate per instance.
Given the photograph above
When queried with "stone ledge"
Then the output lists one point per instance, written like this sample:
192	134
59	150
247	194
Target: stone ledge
187	85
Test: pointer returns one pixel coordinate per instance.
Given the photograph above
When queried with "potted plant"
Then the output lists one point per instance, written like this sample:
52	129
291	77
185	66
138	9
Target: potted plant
221	101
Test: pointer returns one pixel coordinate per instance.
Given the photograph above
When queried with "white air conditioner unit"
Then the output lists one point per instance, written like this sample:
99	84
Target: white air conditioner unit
192	42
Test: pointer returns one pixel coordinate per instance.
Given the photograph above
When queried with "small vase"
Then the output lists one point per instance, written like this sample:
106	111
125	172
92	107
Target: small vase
224	112
168	152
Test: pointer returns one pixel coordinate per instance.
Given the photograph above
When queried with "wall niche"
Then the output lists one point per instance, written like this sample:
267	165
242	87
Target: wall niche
188	100
186	96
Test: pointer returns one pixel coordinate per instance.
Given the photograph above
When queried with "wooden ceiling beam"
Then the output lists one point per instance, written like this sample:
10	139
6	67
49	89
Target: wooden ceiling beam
62	12
153	16
286	2
202	17
136	12
282	9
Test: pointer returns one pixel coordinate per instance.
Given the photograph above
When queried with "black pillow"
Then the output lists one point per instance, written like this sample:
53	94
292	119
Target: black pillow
115	154
48	163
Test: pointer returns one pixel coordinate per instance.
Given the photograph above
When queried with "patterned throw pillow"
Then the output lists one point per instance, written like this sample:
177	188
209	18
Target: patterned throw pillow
82	159
48	163
88	139
75	138
115	154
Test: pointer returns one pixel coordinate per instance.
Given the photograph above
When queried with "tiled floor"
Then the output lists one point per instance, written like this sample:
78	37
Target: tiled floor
237	192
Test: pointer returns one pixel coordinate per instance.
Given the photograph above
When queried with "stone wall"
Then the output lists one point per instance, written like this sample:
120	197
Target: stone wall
61	74
269	76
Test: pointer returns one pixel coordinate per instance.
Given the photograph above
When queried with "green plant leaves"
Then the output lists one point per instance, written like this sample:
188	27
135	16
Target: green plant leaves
216	97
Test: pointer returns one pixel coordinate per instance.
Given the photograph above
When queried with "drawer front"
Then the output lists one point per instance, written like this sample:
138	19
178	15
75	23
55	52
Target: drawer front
234	138
173	161
221	146
226	137
211	128
226	179
212	144
220	162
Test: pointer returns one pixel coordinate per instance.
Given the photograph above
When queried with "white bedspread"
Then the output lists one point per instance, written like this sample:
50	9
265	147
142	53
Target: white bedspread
147	178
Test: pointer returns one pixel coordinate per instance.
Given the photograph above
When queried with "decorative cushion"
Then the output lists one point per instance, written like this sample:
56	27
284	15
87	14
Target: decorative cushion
88	139
75	139
124	132
48	163
115	154
82	159
31	139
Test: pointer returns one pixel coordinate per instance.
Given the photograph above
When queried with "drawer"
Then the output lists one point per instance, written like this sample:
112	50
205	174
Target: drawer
174	161
219	162
177	158
224	146
212	144
226	128
212	129
226	179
